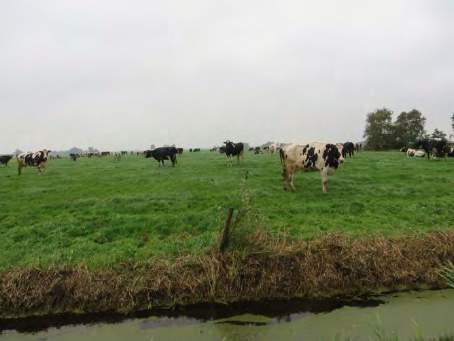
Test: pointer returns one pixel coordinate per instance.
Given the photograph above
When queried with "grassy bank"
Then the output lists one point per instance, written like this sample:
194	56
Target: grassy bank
271	269
101	212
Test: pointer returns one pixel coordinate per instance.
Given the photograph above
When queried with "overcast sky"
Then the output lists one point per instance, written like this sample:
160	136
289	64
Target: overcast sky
125	74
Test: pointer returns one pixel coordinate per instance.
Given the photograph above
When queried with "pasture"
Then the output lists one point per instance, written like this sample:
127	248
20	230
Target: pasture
101	211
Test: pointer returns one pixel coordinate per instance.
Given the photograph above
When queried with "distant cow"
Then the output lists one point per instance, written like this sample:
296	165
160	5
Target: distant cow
415	152
234	149
105	153
257	150
324	157
74	156
196	150
274	147
4	159
38	160
348	149
180	151
163	153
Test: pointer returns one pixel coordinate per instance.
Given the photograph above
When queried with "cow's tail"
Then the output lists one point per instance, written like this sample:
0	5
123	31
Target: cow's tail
282	156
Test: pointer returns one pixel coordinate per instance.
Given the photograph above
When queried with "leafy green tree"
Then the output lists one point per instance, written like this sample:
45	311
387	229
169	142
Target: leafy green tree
438	134
408	127
379	129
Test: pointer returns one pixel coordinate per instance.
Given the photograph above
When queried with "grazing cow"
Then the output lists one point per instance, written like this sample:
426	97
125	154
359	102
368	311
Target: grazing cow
105	153
180	151
74	156
38	160
324	157
358	147
415	152
274	147
4	159
257	150
213	149
410	152
124	152
163	153
196	150
433	147
348	149
234	149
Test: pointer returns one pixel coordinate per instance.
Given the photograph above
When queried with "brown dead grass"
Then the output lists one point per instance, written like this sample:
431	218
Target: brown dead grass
273	268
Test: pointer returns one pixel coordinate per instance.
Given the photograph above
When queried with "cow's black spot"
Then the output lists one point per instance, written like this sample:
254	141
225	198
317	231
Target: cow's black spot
331	156
311	158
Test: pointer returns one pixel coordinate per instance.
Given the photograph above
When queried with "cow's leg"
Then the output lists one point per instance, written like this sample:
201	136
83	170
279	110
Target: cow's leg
285	177
19	168
324	177
292	172
288	173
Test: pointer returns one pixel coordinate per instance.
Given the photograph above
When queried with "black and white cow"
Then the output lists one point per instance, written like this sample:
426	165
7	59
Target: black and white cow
74	156
38	159
163	153
324	157
234	149
4	159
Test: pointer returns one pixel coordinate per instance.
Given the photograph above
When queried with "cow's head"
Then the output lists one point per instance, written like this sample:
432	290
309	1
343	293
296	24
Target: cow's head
147	153
332	156
45	154
340	148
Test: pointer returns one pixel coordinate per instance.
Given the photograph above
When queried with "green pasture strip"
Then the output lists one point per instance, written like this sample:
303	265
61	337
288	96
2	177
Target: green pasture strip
100	211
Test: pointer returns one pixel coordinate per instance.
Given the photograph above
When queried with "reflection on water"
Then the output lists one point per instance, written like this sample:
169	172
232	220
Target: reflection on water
407	315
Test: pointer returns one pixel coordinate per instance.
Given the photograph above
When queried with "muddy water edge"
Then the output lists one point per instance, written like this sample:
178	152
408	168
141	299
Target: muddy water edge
423	314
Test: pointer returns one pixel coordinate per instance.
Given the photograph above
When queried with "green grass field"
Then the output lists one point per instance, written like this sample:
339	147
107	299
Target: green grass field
102	212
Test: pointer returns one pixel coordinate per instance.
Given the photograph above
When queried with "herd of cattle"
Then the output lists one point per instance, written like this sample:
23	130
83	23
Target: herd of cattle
322	157
438	148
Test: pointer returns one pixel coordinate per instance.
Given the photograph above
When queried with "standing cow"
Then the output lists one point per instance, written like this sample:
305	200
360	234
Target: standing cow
163	153
38	160
234	149
4	159
348	149
324	157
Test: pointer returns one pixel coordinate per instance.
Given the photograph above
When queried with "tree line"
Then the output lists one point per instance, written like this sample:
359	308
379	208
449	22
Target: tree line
383	133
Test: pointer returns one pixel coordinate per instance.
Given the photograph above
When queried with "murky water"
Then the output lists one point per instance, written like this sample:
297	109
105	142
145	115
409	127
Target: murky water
407	315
